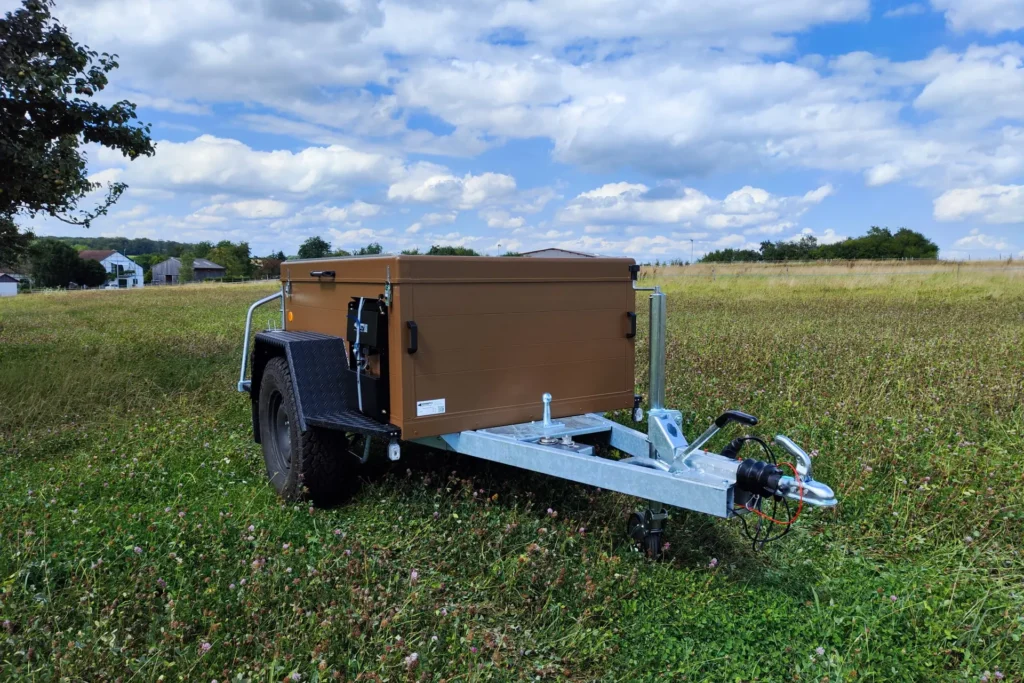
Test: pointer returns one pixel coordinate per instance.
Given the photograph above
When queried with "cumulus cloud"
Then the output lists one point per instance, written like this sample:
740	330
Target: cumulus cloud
433	184
992	203
210	164
325	214
989	16
502	220
637	203
356	237
979	240
909	10
828	236
248	209
882	174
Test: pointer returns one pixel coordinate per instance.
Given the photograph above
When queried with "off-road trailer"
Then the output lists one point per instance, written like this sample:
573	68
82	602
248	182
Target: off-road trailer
508	360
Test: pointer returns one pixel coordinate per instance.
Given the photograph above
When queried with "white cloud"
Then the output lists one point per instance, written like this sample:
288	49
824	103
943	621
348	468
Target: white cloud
990	16
819	195
210	164
979	240
992	203
414	228
438	218
828	236
502	220
624	202
356	237
323	214
882	174
637	203
249	209
909	10
433	184
983	84
771	228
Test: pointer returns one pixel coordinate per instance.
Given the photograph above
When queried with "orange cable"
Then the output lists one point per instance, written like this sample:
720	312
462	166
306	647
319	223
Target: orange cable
799	507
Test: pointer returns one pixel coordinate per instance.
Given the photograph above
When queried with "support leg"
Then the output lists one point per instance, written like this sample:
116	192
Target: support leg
646	526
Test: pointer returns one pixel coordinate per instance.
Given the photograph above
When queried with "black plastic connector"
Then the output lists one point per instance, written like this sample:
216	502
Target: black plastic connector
758	477
733	449
634	272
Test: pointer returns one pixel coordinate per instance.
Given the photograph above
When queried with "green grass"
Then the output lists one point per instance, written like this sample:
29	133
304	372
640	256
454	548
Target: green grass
136	525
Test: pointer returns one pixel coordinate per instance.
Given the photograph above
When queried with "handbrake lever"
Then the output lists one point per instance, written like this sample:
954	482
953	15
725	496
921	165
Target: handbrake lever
720	422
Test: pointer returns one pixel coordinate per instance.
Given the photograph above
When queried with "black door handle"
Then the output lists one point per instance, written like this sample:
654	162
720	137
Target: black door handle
413	336
632	325
321	273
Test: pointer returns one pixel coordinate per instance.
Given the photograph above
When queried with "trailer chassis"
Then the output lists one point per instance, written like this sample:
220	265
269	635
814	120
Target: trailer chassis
661	466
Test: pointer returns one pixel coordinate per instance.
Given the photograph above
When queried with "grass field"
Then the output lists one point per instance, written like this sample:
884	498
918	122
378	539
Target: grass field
139	540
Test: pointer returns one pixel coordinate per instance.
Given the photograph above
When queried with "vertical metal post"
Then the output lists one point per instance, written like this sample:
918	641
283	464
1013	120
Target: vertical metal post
657	343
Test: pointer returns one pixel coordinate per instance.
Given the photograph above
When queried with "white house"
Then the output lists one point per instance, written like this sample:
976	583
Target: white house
8	285
125	273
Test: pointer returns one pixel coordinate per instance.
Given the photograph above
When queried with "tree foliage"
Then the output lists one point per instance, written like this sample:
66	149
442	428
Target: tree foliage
269	268
132	247
46	80
878	243
14	244
186	271
235	258
90	273
437	250
56	264
731	255
370	249
315	247
147	261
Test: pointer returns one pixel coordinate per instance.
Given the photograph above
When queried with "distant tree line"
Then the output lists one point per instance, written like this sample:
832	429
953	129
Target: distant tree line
437	250
128	246
318	247
878	243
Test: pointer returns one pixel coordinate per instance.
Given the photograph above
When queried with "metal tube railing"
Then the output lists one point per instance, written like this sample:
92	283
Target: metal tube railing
243	384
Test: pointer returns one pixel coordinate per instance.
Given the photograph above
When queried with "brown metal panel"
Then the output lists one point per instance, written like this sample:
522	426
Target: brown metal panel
517	297
494	333
470	359
465	269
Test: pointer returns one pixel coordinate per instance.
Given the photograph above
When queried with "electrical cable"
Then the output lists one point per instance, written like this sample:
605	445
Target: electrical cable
761	533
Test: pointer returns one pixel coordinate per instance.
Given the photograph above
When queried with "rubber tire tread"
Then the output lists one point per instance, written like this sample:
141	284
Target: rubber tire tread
320	472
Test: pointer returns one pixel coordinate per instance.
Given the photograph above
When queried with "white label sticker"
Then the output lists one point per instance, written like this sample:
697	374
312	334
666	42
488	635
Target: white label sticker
434	407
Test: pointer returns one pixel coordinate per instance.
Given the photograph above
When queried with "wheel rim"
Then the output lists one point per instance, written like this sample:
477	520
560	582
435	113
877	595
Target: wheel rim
280	427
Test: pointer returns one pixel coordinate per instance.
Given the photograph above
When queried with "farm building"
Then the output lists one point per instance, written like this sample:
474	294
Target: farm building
556	253
8	285
167	272
123	273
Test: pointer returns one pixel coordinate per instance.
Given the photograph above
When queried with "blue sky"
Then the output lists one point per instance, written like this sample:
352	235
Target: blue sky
609	127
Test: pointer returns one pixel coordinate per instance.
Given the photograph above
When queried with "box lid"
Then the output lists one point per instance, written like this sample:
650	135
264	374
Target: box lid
454	269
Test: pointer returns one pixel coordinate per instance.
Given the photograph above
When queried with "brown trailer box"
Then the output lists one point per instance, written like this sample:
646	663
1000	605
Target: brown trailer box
492	335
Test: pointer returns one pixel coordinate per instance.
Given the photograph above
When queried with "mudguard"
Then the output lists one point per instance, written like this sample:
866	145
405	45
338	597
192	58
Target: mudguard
318	366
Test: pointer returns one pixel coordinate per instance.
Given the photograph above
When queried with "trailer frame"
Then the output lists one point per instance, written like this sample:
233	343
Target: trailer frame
660	466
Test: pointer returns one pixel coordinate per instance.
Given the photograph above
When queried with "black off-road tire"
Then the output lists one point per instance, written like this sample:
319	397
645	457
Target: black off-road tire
301	465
